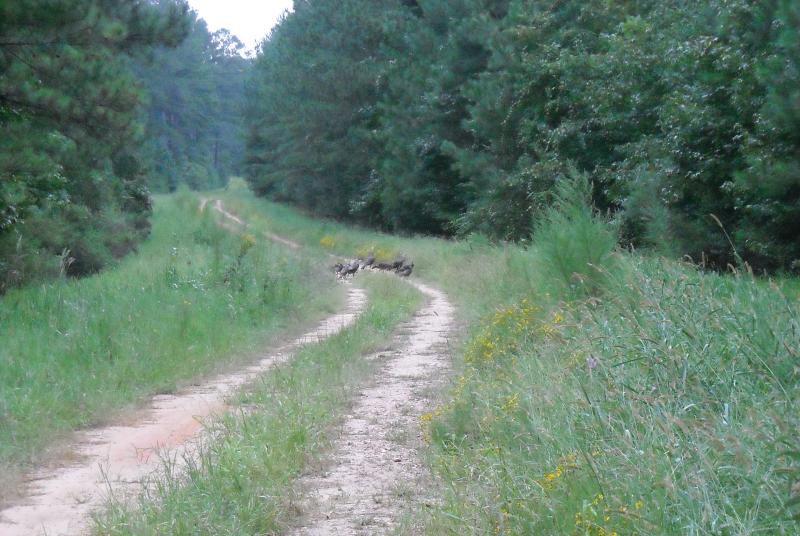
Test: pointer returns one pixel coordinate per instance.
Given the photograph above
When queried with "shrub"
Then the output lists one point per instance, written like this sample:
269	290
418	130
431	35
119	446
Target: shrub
574	244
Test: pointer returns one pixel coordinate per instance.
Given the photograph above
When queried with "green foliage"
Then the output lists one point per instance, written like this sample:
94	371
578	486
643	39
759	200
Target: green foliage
768	186
195	95
68	112
662	406
573	245
313	103
417	185
469	113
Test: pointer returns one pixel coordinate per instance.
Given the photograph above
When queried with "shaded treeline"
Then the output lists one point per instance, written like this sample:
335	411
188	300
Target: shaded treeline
99	100
195	94
460	116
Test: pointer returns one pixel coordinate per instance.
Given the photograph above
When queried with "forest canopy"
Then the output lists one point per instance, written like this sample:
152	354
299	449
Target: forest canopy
102	101
461	116
72	181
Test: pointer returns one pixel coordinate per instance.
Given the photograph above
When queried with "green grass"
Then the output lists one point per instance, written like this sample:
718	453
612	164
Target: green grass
600	392
666	405
476	274
194	299
241	483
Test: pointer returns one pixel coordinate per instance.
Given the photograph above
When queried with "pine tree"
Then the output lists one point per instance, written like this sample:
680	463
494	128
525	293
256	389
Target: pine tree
465	115
768	188
68	112
313	103
195	94
418	186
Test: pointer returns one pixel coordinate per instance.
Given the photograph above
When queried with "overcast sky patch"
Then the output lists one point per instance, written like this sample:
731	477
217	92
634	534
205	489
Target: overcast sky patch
249	20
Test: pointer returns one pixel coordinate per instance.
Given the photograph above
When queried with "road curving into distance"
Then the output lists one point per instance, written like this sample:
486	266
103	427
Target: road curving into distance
371	476
119	459
374	475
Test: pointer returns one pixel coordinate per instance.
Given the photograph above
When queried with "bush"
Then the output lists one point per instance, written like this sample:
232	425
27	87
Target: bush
22	261
71	240
574	244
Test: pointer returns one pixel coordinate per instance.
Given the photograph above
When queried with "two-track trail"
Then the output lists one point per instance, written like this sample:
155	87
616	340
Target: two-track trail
118	459
374	474
232	220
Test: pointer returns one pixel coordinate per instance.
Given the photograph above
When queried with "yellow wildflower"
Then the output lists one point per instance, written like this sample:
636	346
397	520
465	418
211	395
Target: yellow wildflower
327	242
247	242
512	403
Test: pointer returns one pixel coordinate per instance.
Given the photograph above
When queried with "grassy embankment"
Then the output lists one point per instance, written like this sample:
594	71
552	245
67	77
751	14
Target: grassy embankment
194	299
601	392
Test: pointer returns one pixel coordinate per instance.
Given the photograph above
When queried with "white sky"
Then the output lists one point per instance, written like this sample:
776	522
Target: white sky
249	20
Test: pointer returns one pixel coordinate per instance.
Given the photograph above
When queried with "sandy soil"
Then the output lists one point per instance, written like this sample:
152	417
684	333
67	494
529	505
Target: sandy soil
374	473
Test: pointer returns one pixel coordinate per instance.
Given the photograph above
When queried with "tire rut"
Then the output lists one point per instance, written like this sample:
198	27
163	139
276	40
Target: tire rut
375	472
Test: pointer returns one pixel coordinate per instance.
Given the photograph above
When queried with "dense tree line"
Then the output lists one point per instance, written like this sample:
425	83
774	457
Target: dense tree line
459	116
71	180
102	101
195	95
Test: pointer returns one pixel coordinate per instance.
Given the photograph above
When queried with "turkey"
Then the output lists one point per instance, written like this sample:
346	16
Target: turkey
351	268
405	271
338	269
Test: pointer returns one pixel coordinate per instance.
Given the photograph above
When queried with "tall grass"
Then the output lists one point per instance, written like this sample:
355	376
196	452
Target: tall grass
666	406
662	401
242	481
192	300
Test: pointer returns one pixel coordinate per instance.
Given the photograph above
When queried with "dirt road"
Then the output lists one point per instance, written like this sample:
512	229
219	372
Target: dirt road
119	458
374	474
374	463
